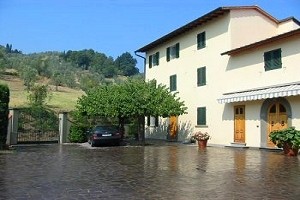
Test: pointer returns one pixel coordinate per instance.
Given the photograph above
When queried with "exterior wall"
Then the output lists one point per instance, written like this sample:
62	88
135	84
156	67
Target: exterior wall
287	26
225	74
248	26
185	67
246	70
295	104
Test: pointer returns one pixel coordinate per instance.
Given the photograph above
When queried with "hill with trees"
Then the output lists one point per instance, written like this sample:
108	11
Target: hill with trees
72	68
77	70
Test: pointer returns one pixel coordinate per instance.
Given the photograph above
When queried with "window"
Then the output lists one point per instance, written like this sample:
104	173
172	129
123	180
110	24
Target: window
154	59
173	52
201	76
173	86
201	40
201	116
272	59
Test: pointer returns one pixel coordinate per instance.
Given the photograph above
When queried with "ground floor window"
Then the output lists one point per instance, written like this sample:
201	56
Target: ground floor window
201	116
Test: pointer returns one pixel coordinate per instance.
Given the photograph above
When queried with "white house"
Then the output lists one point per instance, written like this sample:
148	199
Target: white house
238	71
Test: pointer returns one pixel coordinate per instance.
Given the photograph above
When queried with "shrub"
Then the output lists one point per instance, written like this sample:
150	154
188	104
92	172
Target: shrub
77	134
4	101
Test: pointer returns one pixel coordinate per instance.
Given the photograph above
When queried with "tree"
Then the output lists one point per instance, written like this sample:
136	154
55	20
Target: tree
29	76
126	64
132	98
88	81
38	95
3	61
57	80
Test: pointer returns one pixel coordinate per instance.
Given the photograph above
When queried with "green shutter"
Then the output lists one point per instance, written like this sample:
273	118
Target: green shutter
168	54
150	61
173	85
201	40
272	59
201	116
177	50
157	58
201	76
267	58
277	58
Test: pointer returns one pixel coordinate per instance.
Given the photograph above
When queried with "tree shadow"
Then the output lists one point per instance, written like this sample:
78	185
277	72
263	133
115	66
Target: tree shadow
184	131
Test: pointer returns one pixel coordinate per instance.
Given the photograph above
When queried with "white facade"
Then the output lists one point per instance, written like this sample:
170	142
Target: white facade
236	39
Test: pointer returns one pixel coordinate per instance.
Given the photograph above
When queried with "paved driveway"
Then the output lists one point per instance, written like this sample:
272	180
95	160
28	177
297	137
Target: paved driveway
174	171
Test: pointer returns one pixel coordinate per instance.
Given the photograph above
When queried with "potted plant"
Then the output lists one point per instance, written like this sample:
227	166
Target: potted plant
288	139
202	138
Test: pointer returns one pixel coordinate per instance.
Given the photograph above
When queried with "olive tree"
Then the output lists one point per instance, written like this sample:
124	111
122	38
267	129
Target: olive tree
132	98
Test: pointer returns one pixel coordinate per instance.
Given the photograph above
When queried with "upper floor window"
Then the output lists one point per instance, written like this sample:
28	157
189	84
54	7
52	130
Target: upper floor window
173	83
201	76
154	59
173	52
272	59
201	40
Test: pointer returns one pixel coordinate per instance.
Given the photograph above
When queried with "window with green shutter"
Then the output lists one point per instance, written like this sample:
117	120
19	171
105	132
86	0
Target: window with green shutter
273	59
154	60
201	40
173	86
201	76
201	116
173	52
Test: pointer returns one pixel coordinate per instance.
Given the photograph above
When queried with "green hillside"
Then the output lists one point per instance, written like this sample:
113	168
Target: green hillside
62	100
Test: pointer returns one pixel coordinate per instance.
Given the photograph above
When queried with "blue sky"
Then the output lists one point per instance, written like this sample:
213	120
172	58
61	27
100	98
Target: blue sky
109	26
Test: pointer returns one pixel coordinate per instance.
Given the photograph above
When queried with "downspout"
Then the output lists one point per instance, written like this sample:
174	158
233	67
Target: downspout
144	58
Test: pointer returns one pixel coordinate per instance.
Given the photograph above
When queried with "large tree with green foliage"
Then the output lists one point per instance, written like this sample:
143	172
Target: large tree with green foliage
126	64
29	76
132	98
38	95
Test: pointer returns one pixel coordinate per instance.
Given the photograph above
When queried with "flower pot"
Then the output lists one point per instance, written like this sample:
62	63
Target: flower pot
288	150
202	144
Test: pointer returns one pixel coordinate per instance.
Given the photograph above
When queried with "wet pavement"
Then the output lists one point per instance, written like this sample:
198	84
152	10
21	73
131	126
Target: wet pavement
171	171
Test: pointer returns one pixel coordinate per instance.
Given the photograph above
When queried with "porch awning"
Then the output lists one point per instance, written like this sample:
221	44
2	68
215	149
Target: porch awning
291	89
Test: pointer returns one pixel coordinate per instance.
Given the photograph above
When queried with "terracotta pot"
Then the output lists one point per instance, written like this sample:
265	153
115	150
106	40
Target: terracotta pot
288	150
202	144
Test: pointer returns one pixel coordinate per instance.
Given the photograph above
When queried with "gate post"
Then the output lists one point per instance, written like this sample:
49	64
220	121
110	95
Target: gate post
12	130
63	127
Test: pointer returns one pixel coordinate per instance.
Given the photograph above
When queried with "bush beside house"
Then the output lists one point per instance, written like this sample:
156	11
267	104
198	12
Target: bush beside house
4	101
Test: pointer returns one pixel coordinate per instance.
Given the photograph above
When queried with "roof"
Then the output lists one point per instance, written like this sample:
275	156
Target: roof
284	90
262	42
204	19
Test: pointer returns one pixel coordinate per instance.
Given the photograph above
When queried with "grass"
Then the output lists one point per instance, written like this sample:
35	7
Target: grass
64	99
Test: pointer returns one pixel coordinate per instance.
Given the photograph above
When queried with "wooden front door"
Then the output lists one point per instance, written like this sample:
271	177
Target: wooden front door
277	120
239	124
173	127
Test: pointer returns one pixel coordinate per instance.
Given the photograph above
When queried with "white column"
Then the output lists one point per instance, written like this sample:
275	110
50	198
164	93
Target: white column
12	129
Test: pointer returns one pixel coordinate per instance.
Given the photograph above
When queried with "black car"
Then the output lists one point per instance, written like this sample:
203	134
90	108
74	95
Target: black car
103	134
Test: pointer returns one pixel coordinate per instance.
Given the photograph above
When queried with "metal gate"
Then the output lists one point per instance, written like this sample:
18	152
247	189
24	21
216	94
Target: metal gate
38	125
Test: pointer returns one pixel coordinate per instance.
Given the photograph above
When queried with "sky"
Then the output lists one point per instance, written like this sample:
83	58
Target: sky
112	27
